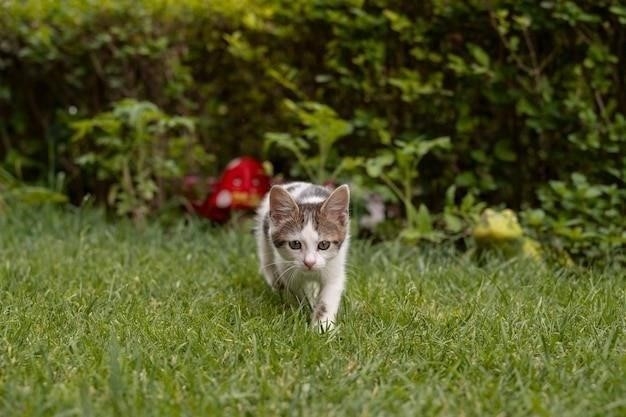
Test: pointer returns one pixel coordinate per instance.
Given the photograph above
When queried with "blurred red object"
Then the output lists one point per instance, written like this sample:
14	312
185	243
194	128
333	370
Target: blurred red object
241	187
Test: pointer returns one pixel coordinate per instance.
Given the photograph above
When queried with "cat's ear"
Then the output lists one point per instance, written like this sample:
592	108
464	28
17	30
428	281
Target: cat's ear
282	205
336	206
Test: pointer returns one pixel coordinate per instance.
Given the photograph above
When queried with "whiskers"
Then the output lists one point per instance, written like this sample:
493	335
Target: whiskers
289	274
281	275
286	280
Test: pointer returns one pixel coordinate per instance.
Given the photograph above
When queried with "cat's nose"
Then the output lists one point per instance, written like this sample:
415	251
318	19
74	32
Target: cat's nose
310	263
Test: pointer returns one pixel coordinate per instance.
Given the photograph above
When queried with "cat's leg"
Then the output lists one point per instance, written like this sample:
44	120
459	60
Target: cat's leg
325	311
310	292
324	314
267	263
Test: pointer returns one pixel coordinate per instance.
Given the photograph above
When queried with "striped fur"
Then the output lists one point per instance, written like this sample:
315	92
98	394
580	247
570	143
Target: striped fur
302	241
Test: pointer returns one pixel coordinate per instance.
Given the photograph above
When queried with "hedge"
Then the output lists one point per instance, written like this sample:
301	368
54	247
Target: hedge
531	94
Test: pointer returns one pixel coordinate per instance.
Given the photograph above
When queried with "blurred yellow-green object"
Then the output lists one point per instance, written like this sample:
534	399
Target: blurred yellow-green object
497	226
531	248
501	231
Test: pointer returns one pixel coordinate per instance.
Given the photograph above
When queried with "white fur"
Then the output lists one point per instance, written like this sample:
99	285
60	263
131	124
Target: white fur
323	284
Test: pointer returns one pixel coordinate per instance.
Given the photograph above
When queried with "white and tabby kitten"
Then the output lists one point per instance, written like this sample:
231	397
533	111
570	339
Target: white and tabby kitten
302	237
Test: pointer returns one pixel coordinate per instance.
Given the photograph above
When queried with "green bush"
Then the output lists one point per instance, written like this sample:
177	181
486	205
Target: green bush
13	192
528	92
320	162
584	219
63	63
138	153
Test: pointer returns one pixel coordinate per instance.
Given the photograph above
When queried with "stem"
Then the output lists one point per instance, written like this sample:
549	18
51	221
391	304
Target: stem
302	160
308	171
408	205
322	162
127	180
336	171
503	39
536	70
392	186
408	194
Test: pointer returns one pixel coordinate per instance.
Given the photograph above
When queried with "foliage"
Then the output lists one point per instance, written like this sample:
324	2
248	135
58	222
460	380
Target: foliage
582	218
528	91
63	62
458	218
321	126
398	169
137	149
13	192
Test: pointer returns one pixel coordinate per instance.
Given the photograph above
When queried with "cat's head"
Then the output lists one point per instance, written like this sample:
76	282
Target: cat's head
311	233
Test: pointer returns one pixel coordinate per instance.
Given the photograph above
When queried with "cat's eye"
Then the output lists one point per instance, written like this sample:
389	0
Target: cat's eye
295	244
323	245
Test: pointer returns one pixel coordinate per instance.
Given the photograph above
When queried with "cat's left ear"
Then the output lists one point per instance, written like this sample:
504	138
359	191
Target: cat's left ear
337	204
282	205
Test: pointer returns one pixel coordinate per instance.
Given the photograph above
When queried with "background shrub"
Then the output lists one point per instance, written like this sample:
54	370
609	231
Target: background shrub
529	93
137	155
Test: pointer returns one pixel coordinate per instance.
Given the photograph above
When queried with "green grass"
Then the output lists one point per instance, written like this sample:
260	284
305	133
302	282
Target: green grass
102	319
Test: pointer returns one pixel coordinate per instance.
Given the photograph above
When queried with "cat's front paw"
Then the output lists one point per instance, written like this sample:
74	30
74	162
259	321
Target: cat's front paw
321	320
323	326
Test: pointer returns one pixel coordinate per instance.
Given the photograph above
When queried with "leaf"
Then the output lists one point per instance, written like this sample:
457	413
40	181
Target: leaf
399	23
419	147
579	179
593	192
297	146
413	85
284	141
453	223
450	196
457	64
479	155
425	146
535	217
411	235
180	121
558	187
423	220
350	163
523	21
7	180
322	123
466	179
374	166
479	55
503	152
36	195
147	189
110	142
86	159
103	122
620	12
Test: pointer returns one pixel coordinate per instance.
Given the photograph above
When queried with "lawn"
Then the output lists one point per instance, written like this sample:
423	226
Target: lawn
101	318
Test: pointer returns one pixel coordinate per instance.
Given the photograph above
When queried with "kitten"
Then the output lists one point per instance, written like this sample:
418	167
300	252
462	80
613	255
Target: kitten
302	241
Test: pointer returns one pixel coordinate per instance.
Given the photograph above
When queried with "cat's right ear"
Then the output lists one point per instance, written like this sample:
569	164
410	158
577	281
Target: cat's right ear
337	205
282	205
